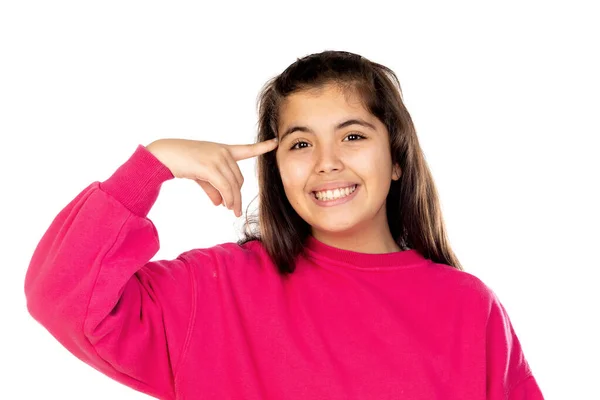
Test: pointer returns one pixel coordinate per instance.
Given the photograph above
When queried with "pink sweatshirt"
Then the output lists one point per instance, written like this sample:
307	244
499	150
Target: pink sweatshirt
221	323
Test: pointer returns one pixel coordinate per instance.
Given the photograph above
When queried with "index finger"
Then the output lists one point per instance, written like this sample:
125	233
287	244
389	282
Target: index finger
243	151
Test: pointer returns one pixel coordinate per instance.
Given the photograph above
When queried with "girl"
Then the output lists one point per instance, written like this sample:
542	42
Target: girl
346	287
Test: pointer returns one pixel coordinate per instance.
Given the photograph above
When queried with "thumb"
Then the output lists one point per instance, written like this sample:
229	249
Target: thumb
213	194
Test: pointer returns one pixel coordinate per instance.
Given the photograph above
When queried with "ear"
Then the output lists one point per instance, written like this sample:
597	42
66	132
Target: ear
396	172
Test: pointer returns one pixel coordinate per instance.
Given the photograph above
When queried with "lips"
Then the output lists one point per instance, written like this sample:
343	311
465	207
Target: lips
351	187
333	185
325	202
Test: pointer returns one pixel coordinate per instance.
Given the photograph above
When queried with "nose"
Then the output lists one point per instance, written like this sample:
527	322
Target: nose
327	160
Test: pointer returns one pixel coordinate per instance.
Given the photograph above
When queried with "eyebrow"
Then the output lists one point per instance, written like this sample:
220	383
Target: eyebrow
353	121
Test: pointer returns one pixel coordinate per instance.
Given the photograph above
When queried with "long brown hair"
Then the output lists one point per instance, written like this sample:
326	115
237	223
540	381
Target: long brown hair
413	210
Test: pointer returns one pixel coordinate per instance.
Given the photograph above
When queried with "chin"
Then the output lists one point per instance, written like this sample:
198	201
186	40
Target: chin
335	226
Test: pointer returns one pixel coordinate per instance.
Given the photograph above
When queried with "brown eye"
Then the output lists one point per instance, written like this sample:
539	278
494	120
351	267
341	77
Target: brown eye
297	142
295	146
356	135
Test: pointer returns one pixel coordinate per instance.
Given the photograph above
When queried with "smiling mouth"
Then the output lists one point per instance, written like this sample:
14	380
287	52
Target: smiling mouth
329	195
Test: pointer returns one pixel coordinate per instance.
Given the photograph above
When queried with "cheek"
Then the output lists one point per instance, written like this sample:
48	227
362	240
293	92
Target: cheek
374	165
367	161
293	174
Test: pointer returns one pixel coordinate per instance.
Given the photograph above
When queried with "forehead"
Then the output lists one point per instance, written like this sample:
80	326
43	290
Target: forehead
330	100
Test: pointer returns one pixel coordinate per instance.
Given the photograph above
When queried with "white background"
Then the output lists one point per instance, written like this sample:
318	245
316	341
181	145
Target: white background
504	97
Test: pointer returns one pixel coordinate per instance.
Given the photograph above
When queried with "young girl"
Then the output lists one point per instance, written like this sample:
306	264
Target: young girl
346	288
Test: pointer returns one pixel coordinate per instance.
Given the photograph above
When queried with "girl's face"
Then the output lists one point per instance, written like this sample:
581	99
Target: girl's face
328	140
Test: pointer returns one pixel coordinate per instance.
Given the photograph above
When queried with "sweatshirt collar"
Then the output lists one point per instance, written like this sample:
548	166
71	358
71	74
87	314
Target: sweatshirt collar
399	259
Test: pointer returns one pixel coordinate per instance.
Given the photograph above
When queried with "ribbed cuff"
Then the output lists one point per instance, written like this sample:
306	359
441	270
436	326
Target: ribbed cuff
137	182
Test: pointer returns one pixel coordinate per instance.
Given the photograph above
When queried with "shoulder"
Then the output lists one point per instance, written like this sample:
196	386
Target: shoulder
482	313
461	287
459	281
229	270
230	255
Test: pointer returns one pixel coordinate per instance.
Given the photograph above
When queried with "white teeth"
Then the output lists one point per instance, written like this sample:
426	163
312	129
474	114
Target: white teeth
334	194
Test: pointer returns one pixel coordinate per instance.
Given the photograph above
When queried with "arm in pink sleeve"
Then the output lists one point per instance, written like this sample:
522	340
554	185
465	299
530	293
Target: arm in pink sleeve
92	285
508	374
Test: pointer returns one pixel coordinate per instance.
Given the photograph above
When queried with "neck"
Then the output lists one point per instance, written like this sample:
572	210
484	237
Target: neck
372	239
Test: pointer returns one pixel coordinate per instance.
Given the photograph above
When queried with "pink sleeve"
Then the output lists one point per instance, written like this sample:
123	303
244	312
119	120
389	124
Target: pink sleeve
527	389
509	376
91	284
